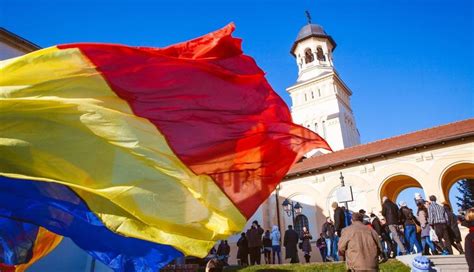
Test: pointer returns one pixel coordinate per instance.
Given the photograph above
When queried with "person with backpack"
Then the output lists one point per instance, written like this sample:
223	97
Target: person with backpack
392	216
410	223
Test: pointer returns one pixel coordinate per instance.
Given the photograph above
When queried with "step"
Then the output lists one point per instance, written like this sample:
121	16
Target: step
442	263
449	263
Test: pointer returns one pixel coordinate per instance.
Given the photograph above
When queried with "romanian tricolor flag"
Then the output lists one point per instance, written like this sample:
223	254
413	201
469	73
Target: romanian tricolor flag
141	155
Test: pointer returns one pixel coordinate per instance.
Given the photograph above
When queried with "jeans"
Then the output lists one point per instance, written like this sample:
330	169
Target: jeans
410	237
276	250
396	238
427	241
331	245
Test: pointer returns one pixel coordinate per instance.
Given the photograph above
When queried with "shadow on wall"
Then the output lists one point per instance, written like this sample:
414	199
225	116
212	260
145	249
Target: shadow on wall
315	219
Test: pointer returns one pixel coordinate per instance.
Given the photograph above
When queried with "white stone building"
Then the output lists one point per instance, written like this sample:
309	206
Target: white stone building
320	98
433	159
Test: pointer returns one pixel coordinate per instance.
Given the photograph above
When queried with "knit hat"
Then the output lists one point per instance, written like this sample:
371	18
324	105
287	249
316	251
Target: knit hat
420	264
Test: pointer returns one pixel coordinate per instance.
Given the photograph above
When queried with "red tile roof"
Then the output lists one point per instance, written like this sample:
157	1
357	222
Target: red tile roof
403	142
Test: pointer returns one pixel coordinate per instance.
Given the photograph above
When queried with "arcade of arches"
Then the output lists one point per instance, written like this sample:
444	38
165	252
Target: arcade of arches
432	159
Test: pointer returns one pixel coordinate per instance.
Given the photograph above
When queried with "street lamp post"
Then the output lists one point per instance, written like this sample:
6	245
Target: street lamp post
342	185
291	208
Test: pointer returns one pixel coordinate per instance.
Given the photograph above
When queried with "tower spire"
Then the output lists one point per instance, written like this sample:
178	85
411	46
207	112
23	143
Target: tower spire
308	17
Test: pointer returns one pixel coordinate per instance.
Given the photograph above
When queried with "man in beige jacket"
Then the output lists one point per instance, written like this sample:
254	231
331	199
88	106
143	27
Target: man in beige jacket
360	246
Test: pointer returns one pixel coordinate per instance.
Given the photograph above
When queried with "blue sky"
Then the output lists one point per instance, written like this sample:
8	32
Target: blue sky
409	63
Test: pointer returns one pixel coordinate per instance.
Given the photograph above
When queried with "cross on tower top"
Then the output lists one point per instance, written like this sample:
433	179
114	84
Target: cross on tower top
308	17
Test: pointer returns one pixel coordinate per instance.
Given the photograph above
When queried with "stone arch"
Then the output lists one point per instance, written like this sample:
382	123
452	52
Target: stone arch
394	184
454	172
401	169
307	196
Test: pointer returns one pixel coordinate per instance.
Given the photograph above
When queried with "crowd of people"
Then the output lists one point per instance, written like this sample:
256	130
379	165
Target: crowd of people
363	240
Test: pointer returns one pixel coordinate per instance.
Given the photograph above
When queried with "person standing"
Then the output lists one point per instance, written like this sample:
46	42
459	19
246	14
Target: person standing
438	219
409	222
422	215
339	222
276	248
267	247
329	233
388	245
453	228
290	241
243	250
322	246
469	240
383	236
254	238
306	244
223	251
360	246
392	216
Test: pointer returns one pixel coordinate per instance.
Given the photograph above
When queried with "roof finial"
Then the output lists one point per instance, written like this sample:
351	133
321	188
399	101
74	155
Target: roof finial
308	16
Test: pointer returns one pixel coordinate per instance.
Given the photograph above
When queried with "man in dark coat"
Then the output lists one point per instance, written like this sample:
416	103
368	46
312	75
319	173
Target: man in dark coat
339	218
392	216
243	251
383	235
254	239
290	241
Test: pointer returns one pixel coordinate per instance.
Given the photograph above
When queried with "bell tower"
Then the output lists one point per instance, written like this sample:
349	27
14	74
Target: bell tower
320	99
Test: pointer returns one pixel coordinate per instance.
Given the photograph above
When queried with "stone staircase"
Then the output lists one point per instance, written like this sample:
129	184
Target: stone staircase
450	263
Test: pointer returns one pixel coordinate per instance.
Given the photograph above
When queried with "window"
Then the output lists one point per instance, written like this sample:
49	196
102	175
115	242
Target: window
315	127
320	54
319	92
312	95
300	222
305	97
308	56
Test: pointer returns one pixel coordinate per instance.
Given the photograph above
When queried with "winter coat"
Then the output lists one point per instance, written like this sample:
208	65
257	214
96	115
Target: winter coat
423	219
328	230
243	248
306	244
321	243
290	240
339	222
391	212
469	248
275	236
407	217
361	247
254	237
454	231
266	241
377	226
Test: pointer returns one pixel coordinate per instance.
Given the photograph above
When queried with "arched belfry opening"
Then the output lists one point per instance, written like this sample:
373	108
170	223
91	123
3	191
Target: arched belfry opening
320	54
308	56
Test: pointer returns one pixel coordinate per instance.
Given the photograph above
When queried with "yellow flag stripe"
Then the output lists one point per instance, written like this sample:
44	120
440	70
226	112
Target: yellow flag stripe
60	122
